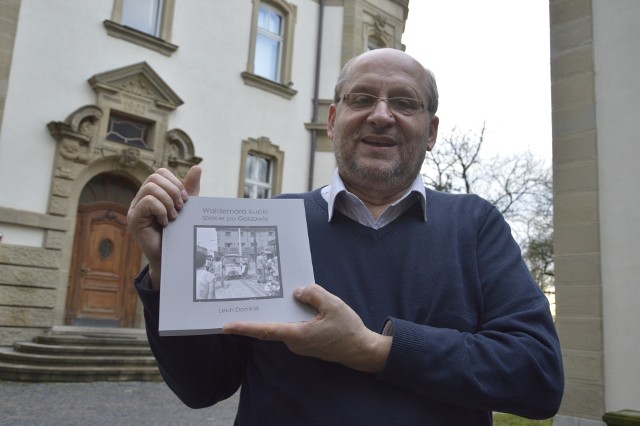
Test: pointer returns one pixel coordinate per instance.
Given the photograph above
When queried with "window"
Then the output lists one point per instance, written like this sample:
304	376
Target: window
108	187
257	183
261	169
147	23
143	15
128	131
268	43
270	51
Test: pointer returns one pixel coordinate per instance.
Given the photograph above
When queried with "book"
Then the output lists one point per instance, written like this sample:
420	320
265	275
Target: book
233	259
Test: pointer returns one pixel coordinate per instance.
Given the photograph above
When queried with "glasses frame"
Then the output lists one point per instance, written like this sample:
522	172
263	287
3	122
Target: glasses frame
391	102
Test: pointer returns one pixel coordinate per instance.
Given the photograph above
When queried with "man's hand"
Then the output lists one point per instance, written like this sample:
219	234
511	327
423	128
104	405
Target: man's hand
336	334
158	201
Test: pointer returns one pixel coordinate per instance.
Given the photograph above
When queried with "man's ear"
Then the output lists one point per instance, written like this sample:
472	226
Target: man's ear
433	132
331	120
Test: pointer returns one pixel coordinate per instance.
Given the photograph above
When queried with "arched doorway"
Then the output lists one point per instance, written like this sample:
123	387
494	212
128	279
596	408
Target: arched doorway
105	257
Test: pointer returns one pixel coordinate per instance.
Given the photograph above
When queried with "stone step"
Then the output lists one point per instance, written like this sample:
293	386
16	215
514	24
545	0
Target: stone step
35	373
88	340
8	355
57	349
81	354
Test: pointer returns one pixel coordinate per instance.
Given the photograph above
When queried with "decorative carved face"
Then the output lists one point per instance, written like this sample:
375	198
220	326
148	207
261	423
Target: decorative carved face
129	157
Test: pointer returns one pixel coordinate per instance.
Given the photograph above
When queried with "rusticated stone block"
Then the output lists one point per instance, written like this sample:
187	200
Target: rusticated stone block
30	277
29	256
61	187
27	296
54	240
11	316
59	206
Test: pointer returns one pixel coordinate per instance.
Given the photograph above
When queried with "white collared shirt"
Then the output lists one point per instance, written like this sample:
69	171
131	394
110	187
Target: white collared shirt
338	198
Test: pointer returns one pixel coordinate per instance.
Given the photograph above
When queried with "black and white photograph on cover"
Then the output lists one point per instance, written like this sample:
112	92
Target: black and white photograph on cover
236	263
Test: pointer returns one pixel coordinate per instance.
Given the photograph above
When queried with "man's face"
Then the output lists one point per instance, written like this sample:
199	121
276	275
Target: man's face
379	146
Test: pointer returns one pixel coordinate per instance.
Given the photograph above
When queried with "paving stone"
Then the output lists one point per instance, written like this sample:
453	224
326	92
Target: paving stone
104	403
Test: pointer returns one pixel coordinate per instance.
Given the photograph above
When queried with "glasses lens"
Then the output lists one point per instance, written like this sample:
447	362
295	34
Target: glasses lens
360	101
405	104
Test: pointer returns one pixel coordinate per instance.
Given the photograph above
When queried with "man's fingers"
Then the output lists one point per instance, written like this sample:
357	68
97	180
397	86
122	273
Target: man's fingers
148	209
261	331
315	296
192	181
168	189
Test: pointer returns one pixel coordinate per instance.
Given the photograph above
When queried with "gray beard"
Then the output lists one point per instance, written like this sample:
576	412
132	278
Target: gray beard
359	175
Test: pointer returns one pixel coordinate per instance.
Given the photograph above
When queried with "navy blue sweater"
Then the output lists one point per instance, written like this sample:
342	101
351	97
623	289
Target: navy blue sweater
472	331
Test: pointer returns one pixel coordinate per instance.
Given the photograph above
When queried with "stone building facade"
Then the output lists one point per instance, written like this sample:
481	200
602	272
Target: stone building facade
96	96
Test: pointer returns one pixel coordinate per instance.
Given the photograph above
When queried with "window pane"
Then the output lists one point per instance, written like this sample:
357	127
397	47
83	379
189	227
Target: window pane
261	169
267	57
275	23
269	40
270	20
263	17
247	191
142	15
128	131
258	168
258	177
251	161
263	193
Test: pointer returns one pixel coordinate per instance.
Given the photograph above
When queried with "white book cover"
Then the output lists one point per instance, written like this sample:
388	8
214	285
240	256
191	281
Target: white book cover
233	259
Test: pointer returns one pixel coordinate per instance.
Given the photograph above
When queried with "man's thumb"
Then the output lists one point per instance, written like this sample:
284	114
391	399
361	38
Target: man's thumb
192	180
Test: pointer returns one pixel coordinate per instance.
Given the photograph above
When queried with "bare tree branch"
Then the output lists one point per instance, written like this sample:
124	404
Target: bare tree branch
519	185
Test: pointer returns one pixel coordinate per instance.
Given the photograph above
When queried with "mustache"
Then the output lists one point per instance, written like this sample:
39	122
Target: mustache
374	131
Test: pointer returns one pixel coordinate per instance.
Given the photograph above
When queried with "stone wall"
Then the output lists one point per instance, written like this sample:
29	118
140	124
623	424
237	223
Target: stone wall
576	210
9	11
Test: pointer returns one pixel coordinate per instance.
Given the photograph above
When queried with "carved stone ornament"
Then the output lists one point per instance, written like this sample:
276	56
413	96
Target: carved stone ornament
180	149
379	24
379	30
140	80
70	149
138	86
129	158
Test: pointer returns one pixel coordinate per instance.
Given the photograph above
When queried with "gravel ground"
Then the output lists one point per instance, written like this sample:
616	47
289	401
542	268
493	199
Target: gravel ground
104	403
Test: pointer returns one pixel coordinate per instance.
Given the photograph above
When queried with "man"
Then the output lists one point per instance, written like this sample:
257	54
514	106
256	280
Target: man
216	269
261	264
205	280
427	314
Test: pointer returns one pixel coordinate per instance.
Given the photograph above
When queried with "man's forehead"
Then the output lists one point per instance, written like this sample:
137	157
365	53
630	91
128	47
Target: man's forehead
374	80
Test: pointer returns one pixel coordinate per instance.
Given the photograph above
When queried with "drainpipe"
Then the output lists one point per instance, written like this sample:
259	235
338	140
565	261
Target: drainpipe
316	89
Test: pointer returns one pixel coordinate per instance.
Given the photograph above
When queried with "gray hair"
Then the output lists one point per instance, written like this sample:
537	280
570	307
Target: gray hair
432	87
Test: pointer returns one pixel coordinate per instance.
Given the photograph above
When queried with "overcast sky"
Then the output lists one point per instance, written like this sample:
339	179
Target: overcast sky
491	61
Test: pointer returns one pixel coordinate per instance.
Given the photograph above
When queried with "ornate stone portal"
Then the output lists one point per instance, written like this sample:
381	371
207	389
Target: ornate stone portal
125	134
135	92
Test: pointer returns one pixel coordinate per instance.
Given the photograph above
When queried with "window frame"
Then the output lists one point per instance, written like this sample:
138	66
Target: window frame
262	147
283	85
160	43
269	35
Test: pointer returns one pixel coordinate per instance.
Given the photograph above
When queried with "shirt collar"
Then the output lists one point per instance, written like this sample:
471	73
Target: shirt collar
331	192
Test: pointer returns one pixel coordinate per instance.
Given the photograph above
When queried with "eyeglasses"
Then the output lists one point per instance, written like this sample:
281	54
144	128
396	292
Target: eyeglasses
364	101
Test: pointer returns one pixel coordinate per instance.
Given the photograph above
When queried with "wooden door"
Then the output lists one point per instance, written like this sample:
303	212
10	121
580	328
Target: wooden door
104	264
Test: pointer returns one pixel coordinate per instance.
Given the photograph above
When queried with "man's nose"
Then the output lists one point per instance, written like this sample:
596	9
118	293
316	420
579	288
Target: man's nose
381	114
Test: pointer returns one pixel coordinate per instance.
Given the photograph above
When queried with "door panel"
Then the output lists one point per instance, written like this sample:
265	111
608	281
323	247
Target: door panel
104	264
